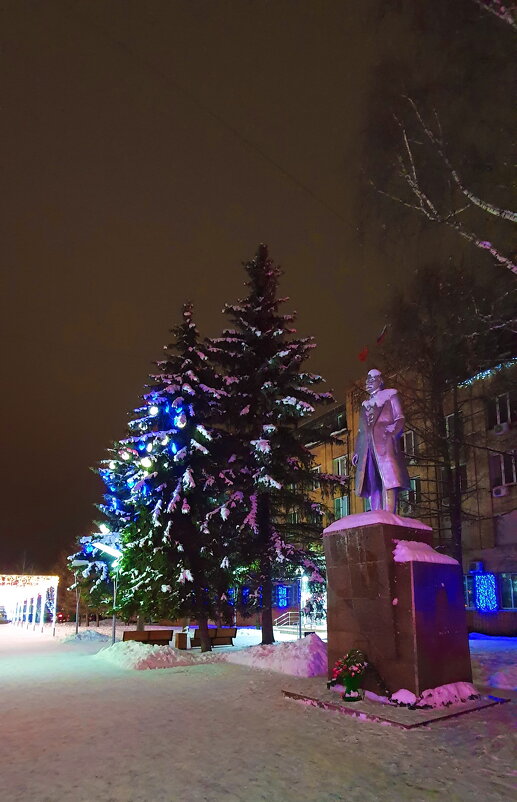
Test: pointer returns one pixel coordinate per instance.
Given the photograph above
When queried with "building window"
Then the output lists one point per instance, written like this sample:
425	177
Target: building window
468	590
340	465
454	427
341	421
443	482
502	469
315	483
408	443
508	589
408	499
341	507
499	410
293	517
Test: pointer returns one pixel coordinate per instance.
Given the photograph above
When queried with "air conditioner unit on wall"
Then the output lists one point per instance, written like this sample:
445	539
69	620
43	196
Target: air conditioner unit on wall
501	428
499	491
476	567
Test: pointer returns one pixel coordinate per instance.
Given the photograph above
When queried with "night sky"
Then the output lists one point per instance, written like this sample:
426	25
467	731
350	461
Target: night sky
147	148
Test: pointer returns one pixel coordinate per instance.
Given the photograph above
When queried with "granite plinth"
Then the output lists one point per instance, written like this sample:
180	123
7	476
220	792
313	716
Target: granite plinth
408	617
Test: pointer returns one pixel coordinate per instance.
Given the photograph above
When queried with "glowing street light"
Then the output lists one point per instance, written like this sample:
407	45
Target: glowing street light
113	552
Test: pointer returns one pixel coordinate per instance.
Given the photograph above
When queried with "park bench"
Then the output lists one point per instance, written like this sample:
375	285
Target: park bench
155	637
219	636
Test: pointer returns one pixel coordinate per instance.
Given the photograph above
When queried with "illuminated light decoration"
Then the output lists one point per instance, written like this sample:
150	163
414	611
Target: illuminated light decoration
113	465
141	446
485	374
165	440
485	593
103	529
245	595
173	448
146	462
154	410
125	455
88	548
149	447
281	591
111	550
180	420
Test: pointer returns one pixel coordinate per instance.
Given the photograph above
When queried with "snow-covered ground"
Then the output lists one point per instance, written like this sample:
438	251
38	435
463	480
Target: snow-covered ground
85	728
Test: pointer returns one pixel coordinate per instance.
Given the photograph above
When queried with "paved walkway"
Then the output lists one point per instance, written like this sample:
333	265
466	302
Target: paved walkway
76	728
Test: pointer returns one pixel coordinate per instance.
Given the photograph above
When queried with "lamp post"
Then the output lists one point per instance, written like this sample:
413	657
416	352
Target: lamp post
77	564
111	550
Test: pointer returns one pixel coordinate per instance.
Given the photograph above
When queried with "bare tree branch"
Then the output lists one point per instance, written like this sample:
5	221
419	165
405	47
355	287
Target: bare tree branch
507	12
407	170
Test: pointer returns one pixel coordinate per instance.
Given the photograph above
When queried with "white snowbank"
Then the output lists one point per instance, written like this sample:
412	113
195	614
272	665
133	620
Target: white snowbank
306	657
449	694
442	696
411	551
86	635
134	655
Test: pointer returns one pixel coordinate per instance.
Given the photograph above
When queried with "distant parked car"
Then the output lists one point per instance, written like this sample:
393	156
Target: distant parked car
3	616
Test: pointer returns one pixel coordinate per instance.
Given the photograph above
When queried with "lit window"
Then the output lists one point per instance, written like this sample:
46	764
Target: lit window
339	465
499	410
408	443
316	484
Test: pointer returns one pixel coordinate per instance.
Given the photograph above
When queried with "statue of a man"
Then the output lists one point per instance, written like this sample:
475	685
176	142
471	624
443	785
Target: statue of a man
380	465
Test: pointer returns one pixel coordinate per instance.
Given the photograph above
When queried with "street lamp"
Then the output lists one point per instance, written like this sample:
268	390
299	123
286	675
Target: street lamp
300	572
77	564
113	552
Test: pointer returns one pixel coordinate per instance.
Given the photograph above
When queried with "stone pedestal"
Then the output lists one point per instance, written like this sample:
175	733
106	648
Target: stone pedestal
408	617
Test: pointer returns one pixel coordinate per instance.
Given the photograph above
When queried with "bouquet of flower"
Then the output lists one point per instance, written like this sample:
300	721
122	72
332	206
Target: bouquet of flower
348	671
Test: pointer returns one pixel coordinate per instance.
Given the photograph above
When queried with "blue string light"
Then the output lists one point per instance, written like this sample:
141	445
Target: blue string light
281	591
485	593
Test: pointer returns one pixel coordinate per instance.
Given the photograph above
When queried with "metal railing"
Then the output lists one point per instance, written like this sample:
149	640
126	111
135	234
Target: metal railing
289	619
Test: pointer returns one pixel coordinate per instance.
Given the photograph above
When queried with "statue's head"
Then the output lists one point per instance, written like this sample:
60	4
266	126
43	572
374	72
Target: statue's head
374	381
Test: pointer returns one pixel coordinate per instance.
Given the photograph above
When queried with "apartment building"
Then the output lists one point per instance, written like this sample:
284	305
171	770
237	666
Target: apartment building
487	432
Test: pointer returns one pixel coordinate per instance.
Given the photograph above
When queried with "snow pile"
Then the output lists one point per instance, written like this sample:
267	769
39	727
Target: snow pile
442	696
412	551
306	657
403	697
446	695
132	654
86	635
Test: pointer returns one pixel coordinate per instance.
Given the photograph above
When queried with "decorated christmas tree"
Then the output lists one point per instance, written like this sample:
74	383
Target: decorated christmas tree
170	486
268	396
